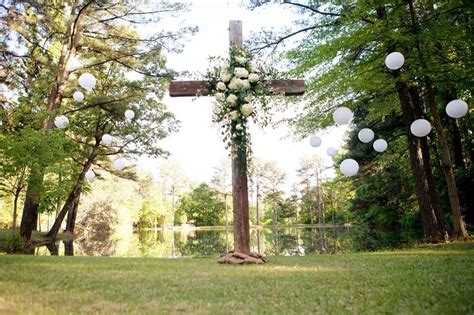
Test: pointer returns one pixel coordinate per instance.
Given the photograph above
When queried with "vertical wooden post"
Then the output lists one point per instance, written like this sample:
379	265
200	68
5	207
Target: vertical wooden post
235	34
239	170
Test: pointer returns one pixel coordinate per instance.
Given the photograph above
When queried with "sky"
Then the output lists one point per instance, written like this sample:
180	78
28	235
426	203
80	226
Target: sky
198	147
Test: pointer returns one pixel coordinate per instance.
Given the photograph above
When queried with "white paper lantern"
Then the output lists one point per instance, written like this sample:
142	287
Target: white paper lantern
129	114
315	141
78	96
119	164
456	108
366	135
380	145
331	151
107	139
394	61
420	127
87	81
61	121
342	116
90	175
349	167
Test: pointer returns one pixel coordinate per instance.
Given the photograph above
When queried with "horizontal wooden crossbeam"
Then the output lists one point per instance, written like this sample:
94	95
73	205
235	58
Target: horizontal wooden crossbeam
193	88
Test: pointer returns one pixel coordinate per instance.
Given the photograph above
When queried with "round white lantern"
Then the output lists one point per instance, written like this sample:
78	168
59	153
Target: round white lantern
61	121
331	151
456	108
349	167
380	145
420	127
119	164
129	114
315	141
87	81
90	175
342	116
78	96
366	135
394	61
107	139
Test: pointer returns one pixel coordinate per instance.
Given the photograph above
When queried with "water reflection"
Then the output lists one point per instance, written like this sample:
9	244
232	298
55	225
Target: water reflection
286	241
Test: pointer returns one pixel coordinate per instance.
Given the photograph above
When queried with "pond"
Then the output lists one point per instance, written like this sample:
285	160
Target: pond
285	241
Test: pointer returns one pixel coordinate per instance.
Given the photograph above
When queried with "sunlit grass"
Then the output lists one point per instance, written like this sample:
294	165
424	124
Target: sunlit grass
436	279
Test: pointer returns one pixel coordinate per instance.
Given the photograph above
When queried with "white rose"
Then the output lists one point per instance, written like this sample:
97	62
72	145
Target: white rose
221	86
241	60
235	83
241	72
220	97
231	99
253	77
233	115
239	127
248	98
246	84
247	110
225	75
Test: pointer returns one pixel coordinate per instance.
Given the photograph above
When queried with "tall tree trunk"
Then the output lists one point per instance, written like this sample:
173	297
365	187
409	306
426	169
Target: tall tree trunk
68	248
458	224
432	227
74	194
68	51
456	144
71	216
30	207
15	209
240	199
459	229
419	112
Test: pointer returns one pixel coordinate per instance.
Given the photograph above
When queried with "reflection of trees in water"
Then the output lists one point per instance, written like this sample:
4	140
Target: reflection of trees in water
96	227
207	244
366	239
211	243
281	241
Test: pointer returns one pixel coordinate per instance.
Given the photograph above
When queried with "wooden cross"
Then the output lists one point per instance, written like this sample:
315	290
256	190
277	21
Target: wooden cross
239	157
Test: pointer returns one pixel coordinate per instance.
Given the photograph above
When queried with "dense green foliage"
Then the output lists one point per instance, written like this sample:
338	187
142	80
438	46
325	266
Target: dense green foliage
203	206
46	47
435	279
342	54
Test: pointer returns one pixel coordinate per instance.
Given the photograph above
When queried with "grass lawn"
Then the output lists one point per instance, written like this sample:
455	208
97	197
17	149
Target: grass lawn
433	279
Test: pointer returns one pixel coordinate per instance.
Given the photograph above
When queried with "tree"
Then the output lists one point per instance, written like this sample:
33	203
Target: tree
343	51
310	173
100	36
273	178
202	206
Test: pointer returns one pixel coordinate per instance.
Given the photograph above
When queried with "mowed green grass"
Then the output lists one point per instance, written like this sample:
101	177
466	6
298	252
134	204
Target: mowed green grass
432	279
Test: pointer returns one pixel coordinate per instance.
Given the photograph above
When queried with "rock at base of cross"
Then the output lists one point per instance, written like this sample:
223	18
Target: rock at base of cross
236	258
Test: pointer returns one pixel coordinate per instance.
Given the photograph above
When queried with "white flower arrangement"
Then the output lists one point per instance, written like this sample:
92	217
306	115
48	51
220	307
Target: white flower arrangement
220	97
253	77
241	72
221	86
241	60
225	75
234	86
231	99
245	84
246	110
233	115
